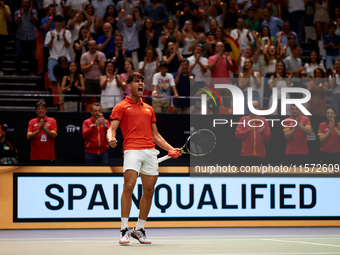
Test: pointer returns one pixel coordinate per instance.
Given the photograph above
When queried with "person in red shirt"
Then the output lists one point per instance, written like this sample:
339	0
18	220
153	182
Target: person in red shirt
253	138
329	136
94	132
137	122
219	65
41	133
296	129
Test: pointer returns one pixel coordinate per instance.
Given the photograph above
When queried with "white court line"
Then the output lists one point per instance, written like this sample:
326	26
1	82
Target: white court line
287	241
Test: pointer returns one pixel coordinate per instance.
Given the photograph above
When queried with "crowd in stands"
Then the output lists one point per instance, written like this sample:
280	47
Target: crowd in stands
91	47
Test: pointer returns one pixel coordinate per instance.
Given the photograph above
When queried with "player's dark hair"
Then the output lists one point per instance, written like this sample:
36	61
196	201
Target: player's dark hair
295	46
332	25
134	75
184	60
62	59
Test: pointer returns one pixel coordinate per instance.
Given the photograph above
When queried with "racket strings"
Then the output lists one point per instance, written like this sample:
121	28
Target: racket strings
201	142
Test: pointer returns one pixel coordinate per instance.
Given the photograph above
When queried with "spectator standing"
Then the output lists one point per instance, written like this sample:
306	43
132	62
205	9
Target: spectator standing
5	14
202	39
318	88
253	138
129	70
73	84
148	68
183	84
94	133
162	82
130	30
59	5
170	33
275	24
80	45
188	37
110	17
148	38
321	18
199	64
41	133
279	80
295	132
334	84
331	43
47	25
25	20
329	136
172	57
100	7
220	64
312	64
106	42
95	25
121	54
58	42
255	4
243	4
186	10
233	14
250	78
294	63
241	35
92	64
296	9
158	13
251	23
111	92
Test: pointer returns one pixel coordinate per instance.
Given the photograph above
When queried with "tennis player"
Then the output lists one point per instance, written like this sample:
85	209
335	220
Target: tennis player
137	122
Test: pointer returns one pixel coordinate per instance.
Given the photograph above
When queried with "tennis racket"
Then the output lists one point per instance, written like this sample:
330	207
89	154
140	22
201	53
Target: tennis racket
199	143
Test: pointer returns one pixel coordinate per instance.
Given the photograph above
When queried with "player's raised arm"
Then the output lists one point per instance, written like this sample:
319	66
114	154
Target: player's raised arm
111	133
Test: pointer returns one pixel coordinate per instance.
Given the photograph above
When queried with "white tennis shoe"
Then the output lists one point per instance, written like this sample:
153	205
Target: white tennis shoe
140	236
124	236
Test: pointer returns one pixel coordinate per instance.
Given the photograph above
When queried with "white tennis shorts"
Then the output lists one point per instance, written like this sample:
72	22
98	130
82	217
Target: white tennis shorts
141	161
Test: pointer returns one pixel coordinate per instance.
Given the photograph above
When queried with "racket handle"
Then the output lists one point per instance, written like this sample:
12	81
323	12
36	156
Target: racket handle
161	159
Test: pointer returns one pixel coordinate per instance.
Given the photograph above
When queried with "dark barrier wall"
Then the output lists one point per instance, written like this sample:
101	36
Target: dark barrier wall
174	128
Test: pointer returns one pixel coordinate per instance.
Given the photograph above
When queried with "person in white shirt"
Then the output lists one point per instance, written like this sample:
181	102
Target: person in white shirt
111	92
198	64
313	64
242	35
58	42
148	68
162	82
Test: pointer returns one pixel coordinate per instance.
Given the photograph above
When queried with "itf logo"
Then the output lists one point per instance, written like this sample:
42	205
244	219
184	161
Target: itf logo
72	129
238	100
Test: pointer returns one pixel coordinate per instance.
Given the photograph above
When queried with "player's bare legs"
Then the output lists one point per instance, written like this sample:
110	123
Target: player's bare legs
130	178
138	232
148	182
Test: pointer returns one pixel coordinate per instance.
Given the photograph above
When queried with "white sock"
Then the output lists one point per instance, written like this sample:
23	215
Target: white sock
140	224
125	222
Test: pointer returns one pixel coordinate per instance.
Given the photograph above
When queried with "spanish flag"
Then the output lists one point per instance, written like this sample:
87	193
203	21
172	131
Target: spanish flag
235	53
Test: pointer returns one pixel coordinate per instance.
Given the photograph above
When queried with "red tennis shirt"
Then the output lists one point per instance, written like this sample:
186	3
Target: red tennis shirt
332	142
135	124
